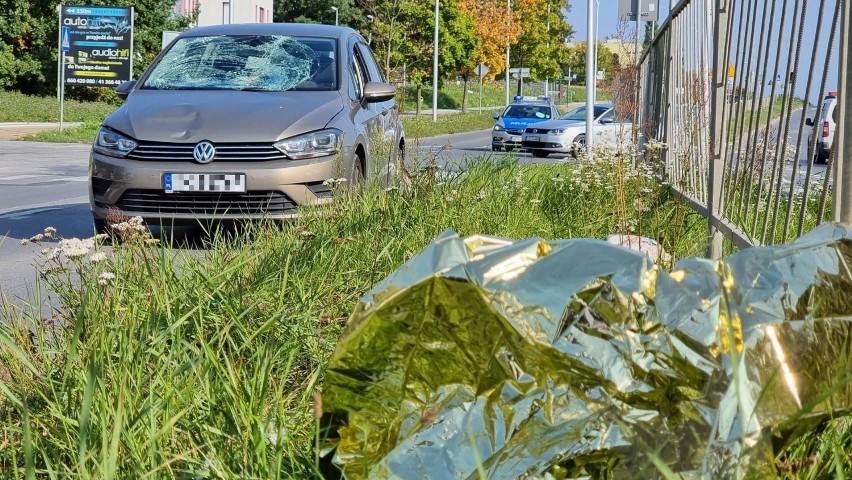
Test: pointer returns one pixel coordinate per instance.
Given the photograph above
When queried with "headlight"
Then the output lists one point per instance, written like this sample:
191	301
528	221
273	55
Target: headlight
312	145
114	144
498	128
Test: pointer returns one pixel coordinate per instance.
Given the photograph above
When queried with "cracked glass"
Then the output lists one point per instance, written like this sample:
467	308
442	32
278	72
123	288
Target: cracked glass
274	63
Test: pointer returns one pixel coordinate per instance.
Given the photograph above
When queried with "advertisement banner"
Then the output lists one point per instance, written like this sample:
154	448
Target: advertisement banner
98	45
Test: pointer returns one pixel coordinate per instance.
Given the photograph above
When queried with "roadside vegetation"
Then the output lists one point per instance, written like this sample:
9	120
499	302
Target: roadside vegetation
172	364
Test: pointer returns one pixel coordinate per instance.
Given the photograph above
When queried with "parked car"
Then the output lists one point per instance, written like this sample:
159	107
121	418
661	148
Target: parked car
245	121
567	134
510	123
825	132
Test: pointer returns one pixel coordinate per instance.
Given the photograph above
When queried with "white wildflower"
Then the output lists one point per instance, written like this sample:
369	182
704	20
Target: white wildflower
101	237
535	201
24	241
49	232
98	257
273	433
37	238
392	189
76	248
481	195
54	254
105	278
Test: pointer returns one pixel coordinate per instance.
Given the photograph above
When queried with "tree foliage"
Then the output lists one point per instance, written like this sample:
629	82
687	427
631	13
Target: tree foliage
495	27
575	63
29	44
541	45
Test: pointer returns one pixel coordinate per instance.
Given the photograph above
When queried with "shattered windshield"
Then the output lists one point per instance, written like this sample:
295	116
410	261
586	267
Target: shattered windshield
274	63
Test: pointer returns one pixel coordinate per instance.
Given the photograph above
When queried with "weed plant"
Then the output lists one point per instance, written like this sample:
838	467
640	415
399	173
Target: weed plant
169	363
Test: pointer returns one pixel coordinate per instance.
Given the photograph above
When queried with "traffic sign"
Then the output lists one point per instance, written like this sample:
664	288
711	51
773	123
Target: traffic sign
66	39
524	72
648	11
481	70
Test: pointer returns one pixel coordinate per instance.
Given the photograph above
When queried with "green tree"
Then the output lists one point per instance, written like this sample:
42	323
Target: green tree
608	61
541	46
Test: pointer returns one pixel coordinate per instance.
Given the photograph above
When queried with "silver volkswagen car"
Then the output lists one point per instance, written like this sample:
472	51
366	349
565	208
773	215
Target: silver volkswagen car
245	121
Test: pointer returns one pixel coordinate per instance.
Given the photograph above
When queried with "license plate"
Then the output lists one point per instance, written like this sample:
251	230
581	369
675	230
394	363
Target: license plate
532	139
204	182
516	139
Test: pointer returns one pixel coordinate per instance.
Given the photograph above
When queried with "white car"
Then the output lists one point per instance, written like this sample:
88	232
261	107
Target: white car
825	132
567	134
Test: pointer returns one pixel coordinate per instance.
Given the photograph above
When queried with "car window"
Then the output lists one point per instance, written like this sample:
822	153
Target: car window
527	111
273	63
376	74
608	116
579	113
359	74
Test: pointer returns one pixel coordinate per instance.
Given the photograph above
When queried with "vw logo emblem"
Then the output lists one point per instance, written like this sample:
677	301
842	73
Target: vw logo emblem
204	152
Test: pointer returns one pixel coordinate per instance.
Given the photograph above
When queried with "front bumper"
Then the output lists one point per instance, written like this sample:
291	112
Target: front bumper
547	143
274	189
506	138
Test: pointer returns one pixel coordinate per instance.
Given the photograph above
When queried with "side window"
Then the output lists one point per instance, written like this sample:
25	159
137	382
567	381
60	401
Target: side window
376	74
608	116
359	77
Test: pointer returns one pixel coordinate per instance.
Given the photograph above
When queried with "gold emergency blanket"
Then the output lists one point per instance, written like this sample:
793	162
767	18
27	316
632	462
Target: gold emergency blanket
483	357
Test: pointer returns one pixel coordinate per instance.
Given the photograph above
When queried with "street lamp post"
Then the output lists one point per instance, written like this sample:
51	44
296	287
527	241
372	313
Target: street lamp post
590	75
435	69
371	19
508	25
336	17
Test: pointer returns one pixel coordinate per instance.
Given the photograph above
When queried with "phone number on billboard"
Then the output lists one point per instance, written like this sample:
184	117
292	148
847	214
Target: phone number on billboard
91	81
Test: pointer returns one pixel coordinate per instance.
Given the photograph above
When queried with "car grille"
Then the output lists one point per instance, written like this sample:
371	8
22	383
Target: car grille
251	203
225	152
513	131
538	130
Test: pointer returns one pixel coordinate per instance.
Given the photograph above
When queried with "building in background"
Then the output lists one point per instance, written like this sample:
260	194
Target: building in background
220	12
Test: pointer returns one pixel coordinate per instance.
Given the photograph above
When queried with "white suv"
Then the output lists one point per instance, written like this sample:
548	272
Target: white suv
825	130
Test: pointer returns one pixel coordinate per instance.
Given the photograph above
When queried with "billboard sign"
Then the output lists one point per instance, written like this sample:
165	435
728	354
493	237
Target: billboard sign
98	45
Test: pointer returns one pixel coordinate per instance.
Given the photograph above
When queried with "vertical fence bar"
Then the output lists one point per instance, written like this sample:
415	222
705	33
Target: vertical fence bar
843	141
717	126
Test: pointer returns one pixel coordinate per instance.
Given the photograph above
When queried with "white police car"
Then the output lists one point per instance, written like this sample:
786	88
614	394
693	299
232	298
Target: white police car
516	117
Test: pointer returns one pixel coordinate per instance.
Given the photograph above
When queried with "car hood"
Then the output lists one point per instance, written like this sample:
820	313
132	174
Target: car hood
223	116
519	123
556	123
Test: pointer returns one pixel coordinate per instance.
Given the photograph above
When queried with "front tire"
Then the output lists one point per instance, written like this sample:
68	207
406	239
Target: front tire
539	153
819	159
579	145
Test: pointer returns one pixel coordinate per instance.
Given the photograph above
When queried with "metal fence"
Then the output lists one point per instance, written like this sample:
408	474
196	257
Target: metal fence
729	87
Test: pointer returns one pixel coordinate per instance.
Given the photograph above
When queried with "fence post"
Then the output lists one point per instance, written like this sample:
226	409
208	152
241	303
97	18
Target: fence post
717	128
842	208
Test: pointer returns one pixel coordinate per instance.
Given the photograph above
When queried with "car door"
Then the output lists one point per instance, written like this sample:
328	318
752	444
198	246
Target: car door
388	121
365	116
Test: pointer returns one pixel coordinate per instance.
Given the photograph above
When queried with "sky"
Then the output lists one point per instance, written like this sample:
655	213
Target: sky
607	24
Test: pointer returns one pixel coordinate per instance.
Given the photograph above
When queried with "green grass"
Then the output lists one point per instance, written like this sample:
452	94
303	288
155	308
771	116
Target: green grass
191	365
422	126
17	107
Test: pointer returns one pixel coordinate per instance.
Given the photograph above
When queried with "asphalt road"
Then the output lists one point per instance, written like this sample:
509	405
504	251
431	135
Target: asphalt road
41	185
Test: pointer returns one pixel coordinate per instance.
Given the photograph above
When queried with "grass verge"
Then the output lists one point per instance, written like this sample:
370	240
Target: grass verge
171	364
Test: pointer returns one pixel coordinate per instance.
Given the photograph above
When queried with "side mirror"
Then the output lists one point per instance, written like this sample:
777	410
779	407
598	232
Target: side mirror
605	121
809	122
378	92
495	116
123	90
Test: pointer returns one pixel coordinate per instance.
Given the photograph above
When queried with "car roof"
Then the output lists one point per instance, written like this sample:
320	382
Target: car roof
296	29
